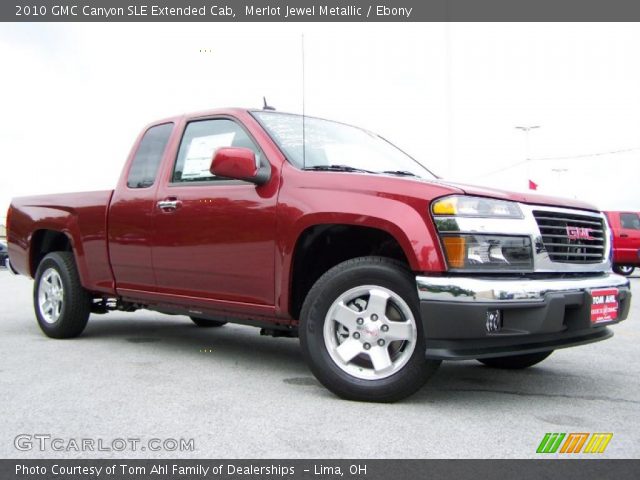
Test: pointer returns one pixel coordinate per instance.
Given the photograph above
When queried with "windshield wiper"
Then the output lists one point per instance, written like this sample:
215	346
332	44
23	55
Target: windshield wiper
404	173
337	168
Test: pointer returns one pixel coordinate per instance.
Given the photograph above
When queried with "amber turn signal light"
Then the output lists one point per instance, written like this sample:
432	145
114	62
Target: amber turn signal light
455	249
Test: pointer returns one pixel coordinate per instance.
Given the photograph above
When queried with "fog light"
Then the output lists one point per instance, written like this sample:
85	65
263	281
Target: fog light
494	321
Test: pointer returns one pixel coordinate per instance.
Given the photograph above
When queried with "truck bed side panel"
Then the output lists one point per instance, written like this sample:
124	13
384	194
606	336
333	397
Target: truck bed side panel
82	217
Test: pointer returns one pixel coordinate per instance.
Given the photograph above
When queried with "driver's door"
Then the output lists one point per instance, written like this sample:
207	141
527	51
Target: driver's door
214	238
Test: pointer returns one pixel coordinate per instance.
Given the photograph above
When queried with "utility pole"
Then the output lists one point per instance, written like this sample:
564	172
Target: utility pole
527	153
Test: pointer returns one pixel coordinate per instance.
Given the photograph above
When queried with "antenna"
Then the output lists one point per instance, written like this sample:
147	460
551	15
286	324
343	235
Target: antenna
265	106
304	142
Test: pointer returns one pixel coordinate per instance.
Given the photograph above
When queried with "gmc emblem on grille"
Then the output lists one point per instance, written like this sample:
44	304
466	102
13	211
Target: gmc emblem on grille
579	233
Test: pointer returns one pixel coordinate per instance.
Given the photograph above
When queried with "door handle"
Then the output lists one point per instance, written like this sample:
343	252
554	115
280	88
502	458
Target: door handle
169	205
623	235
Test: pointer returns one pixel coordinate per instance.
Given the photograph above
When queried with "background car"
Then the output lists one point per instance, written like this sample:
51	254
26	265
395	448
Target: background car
3	254
625	229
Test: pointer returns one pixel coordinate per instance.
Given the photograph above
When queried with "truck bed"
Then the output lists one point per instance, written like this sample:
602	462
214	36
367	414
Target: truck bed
81	217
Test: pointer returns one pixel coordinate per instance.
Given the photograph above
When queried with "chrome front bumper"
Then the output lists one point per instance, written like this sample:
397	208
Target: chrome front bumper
473	289
484	317
8	266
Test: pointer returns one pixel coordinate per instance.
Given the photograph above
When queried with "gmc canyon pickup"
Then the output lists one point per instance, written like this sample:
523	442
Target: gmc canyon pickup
326	232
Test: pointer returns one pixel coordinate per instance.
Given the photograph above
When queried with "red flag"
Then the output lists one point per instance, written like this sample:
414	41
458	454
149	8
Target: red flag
533	185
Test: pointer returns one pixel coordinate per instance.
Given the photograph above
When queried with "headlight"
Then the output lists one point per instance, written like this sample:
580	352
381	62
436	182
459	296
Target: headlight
465	206
487	252
461	221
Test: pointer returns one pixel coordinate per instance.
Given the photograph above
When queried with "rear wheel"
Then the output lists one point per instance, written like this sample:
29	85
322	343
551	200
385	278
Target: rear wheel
360	331
515	362
61	303
624	269
204	323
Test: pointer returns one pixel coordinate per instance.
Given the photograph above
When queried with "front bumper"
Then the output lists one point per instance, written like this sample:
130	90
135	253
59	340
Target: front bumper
8	266
536	314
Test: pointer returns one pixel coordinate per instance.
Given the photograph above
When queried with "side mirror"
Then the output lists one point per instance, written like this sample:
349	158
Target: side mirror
239	164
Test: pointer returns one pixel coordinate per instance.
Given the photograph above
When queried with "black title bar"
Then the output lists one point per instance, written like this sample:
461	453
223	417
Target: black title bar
318	469
318	11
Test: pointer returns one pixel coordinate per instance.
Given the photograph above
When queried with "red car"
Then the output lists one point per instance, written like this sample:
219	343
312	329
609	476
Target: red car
4	256
317	229
625	227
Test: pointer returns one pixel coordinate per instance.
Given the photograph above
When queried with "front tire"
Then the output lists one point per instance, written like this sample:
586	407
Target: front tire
515	362
361	333
61	303
625	270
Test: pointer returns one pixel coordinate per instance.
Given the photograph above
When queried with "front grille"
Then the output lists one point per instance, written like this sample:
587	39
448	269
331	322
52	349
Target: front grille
571	238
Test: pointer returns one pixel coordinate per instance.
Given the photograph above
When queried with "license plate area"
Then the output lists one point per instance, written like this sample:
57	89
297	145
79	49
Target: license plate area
604	305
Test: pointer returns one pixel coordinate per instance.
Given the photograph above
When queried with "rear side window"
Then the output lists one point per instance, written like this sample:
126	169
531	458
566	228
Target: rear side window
144	167
630	220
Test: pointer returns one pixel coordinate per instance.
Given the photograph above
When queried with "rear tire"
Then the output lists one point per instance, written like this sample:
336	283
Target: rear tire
515	362
204	323
625	270
361	334
61	303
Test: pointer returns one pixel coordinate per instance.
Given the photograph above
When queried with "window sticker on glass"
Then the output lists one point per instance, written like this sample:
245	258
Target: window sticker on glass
200	154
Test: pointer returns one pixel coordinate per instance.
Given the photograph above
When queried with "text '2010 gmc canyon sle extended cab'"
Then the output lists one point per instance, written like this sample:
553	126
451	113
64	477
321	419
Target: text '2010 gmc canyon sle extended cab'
329	233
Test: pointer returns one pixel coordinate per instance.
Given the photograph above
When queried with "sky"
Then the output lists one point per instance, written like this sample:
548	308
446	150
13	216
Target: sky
73	97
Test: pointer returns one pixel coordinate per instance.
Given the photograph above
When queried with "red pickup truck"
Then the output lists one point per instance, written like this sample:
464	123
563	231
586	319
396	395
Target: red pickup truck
312	228
625	229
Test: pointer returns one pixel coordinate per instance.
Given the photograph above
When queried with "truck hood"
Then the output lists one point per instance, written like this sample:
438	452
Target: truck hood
530	198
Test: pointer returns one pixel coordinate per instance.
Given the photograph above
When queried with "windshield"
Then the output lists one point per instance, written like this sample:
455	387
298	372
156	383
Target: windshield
336	146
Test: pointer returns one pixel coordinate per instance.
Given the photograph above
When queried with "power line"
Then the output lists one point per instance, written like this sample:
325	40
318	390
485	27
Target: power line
569	157
585	155
508	167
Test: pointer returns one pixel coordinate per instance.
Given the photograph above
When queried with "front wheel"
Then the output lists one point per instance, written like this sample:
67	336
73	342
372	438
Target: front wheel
361	333
61	303
515	362
625	270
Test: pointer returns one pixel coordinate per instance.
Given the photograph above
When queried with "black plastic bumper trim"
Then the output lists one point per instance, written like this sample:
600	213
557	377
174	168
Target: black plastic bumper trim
467	350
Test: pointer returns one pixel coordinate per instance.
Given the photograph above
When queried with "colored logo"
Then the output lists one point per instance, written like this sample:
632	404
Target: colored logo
574	442
579	233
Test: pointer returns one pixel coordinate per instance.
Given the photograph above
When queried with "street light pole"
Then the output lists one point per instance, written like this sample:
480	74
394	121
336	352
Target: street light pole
527	155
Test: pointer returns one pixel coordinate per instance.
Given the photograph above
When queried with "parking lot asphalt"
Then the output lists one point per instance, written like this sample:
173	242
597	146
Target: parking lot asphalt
146	375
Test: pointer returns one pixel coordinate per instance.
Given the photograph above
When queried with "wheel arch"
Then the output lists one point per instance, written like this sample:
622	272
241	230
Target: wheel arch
319	247
45	241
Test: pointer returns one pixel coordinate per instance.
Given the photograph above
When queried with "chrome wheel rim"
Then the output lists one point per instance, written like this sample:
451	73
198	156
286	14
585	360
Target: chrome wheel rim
50	295
626	270
370	332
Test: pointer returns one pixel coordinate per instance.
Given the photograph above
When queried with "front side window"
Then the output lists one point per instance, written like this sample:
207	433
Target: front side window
200	141
630	221
146	161
326	144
